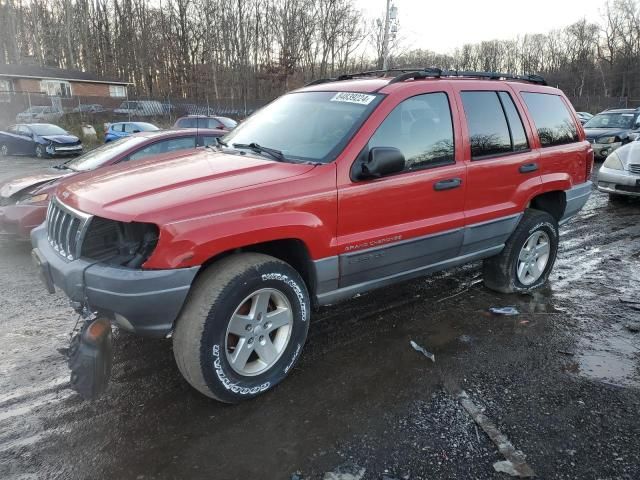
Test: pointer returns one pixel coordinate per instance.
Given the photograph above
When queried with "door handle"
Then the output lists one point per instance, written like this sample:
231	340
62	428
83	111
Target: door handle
447	184
528	167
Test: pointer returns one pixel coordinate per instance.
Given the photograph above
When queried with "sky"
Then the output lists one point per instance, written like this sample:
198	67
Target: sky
443	25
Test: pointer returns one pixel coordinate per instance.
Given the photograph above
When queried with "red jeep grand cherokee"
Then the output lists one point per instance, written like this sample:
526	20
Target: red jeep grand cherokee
338	188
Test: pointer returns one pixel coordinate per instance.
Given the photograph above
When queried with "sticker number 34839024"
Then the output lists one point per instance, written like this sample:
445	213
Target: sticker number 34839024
351	97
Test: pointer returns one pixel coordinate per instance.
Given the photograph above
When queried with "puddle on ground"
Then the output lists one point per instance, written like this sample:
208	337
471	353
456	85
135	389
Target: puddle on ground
614	360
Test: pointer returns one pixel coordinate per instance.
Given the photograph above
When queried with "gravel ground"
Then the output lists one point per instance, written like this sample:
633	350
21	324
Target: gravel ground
560	379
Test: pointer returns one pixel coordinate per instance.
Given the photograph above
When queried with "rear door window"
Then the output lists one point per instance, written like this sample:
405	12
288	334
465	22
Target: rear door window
552	118
187	123
495	127
421	128
516	128
488	128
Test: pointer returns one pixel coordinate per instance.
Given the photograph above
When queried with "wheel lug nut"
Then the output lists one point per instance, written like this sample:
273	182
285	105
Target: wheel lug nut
261	339
248	328
267	325
259	317
250	341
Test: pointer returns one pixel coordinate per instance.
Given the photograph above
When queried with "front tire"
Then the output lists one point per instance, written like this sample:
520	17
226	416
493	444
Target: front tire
243	327
40	151
528	257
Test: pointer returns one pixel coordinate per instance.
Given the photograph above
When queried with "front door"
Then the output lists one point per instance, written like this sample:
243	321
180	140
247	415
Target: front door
404	222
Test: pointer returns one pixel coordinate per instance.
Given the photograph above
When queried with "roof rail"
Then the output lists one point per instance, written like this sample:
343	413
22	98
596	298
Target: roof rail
367	73
418	73
437	73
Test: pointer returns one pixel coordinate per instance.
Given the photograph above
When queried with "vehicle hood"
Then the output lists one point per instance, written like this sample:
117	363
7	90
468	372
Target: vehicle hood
11	187
64	139
141	191
593	133
629	153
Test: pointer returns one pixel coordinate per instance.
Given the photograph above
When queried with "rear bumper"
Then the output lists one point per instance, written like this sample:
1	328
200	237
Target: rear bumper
145	302
19	220
620	182
576	197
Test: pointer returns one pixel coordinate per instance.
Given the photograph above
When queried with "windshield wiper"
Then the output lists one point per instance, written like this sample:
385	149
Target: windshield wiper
277	154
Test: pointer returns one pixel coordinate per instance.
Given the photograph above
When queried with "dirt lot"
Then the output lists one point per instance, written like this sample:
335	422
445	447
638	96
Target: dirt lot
560	380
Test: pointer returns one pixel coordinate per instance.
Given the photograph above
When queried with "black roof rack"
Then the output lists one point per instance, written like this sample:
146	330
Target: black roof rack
418	73
367	73
437	73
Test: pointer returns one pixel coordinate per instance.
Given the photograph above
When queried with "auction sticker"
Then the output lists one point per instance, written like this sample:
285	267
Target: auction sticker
351	97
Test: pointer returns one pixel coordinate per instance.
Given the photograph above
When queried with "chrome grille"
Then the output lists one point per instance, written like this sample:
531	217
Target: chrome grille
66	228
634	168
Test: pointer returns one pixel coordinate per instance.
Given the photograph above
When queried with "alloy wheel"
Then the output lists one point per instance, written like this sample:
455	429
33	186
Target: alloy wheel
533	258
258	332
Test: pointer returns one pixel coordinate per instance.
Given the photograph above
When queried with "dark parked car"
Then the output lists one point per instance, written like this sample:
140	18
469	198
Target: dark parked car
204	121
23	201
39	139
611	129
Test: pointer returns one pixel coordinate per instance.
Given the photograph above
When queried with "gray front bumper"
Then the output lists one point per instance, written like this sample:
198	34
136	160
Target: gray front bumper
620	182
146	302
576	197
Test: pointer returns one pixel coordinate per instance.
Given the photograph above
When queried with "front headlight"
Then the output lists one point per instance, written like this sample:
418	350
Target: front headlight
611	139
43	197
613	162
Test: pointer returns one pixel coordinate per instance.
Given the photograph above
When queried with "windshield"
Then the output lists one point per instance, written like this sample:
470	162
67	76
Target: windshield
103	154
45	129
611	120
306	126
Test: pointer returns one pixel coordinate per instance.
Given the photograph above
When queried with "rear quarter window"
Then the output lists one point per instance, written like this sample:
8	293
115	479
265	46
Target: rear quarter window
552	118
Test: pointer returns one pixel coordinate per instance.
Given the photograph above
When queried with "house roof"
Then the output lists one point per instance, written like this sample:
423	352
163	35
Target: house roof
36	71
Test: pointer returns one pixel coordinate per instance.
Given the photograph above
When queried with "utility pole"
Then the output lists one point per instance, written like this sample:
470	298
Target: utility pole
390	17
385	38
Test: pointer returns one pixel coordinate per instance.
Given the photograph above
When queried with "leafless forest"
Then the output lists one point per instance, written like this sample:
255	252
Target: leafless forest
257	49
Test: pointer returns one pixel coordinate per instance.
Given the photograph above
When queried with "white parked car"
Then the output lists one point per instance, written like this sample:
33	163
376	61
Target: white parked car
619	175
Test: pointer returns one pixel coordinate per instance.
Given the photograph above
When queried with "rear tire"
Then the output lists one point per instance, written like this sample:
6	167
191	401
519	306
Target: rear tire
528	255
266	303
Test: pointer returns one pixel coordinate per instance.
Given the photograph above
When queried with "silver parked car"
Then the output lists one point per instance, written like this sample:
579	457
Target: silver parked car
39	114
620	173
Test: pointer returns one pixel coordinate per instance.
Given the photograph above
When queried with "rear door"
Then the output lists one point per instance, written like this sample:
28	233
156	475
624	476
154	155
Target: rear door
503	167
404	222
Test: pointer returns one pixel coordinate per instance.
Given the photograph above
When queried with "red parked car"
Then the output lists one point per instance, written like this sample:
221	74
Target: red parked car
24	200
385	179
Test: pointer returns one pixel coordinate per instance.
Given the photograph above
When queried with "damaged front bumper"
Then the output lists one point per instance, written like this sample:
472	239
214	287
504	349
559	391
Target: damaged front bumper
145	302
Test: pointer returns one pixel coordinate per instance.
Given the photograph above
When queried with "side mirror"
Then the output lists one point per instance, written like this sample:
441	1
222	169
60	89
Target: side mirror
382	161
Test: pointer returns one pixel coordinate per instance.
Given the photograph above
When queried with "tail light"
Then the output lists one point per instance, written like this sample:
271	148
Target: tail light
589	165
